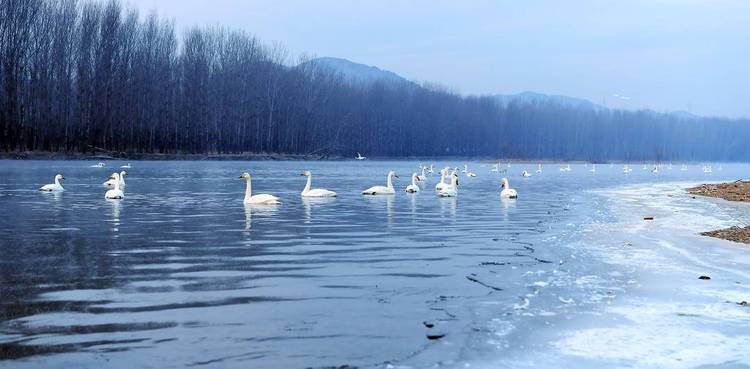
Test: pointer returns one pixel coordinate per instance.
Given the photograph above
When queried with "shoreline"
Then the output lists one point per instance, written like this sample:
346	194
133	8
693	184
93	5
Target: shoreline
737	191
107	155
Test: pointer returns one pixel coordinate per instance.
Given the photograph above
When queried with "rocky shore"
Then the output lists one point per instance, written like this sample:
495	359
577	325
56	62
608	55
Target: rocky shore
733	191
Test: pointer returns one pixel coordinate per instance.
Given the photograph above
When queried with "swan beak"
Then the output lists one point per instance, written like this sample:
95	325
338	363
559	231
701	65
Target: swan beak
240	176
396	175
61	178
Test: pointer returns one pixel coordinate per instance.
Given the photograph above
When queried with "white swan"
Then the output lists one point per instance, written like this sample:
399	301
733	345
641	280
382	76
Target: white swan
655	170
111	182
508	192
97	165
315	192
382	190
430	170
115	193
54	187
683	167
126	166
442	183
593	168
262	199
525	174
360	157
495	168
466	169
627	169
450	190
413	188
539	168
422	177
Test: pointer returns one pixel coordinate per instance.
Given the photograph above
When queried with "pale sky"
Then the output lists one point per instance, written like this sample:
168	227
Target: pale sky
665	55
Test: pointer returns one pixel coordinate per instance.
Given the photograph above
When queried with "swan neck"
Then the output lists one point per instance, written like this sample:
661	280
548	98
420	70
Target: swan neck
248	189
122	177
309	183
414	180
57	181
117	182
390	181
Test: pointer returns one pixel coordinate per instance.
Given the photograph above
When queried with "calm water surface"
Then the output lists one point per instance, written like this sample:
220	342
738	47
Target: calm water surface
181	273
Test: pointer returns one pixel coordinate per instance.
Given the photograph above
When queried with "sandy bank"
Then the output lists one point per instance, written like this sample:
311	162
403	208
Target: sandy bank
733	191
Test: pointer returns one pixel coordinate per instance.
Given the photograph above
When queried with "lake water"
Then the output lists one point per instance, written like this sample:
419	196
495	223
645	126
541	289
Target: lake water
180	273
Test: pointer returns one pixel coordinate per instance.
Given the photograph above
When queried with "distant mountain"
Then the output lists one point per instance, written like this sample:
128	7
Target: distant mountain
359	73
530	97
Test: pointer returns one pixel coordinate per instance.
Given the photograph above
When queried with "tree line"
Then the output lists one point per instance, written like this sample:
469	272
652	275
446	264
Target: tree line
87	76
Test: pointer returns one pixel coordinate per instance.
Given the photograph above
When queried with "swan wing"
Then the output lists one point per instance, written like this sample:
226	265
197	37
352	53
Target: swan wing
319	192
50	187
264	199
374	190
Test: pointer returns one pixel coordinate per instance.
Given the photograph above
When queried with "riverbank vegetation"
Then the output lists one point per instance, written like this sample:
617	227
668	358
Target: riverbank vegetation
98	77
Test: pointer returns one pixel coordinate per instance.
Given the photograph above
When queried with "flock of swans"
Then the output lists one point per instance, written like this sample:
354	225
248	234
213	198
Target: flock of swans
447	187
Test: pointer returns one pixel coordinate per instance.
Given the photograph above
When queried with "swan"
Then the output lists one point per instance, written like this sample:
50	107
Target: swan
115	193
565	168
413	188
450	190
98	165
593	168
360	157
508	192
262	199
683	167
495	168
126	166
471	174
442	183
626	169
316	192
539	168
525	174
655	170
422	177
54	187
111	182
466	169
430	170
382	190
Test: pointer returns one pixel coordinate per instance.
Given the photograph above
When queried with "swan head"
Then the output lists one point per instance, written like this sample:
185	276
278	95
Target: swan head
505	183
392	174
124	173
305	173
59	177
244	176
415	177
114	176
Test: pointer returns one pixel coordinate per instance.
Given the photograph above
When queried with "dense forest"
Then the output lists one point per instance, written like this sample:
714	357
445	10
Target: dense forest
88	76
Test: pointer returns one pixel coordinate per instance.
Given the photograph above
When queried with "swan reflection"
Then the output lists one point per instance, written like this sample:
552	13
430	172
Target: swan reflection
257	210
310	202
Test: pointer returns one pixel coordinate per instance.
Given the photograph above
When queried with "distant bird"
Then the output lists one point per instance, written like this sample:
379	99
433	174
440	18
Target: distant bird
565	168
315	192
450	190
683	167
655	170
441	184
261	199
422	177
507	192
98	165
126	166
430	170
54	187
495	168
593	168
115	193
111	182
382	190
626	169
413	188
525	174
539	168
360	157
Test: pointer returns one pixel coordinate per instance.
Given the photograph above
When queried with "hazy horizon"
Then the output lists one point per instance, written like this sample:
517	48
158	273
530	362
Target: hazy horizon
665	55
